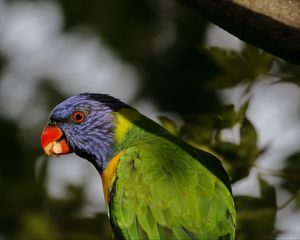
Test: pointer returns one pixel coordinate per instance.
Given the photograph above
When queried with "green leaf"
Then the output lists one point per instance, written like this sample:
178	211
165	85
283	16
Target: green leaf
229	64
256	217
248	140
268	193
241	113
292	73
204	131
37	226
290	173
226	117
297	199
168	124
237	67
239	157
237	164
223	58
199	129
256	61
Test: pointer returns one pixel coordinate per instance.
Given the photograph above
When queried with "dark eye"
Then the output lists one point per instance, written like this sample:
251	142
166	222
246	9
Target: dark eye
78	117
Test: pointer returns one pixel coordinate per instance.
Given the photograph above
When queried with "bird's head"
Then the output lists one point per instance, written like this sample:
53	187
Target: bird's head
83	124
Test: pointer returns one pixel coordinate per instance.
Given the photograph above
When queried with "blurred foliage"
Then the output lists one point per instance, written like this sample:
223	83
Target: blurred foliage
205	130
236	67
161	40
291	73
164	42
291	177
168	124
256	216
27	211
47	91
291	173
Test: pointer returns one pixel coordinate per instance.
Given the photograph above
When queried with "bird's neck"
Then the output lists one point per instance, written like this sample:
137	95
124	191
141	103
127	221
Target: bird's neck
99	153
133	128
125	122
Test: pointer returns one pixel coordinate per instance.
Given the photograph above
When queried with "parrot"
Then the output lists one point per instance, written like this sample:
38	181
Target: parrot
155	185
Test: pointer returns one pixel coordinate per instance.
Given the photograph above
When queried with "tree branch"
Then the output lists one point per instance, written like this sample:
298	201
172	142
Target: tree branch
273	25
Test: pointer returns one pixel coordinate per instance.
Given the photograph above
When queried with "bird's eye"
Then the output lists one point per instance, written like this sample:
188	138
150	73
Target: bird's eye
78	117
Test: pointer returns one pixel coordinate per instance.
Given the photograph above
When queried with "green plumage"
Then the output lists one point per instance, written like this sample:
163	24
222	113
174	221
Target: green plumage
166	189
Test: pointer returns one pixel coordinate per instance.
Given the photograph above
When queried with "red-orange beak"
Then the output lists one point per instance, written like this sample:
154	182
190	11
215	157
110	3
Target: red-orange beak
53	141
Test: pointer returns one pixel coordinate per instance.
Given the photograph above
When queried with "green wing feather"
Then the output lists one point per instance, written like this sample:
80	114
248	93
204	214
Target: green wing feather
163	192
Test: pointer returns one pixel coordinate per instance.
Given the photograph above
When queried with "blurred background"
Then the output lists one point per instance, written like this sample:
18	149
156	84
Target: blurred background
200	82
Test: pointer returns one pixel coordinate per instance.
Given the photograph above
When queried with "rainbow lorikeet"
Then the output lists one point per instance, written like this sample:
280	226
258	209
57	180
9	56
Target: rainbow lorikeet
155	185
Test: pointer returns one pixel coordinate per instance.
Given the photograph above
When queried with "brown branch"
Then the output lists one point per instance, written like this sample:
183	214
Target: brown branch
273	25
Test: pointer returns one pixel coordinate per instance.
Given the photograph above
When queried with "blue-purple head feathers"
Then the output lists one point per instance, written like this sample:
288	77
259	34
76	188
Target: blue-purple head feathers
93	138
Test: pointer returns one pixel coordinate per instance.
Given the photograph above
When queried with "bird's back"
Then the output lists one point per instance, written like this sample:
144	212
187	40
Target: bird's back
163	190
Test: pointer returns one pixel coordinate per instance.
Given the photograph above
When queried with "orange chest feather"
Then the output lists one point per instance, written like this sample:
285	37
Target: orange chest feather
109	175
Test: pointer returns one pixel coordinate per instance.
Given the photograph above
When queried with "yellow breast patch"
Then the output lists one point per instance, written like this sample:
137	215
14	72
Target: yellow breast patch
109	175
